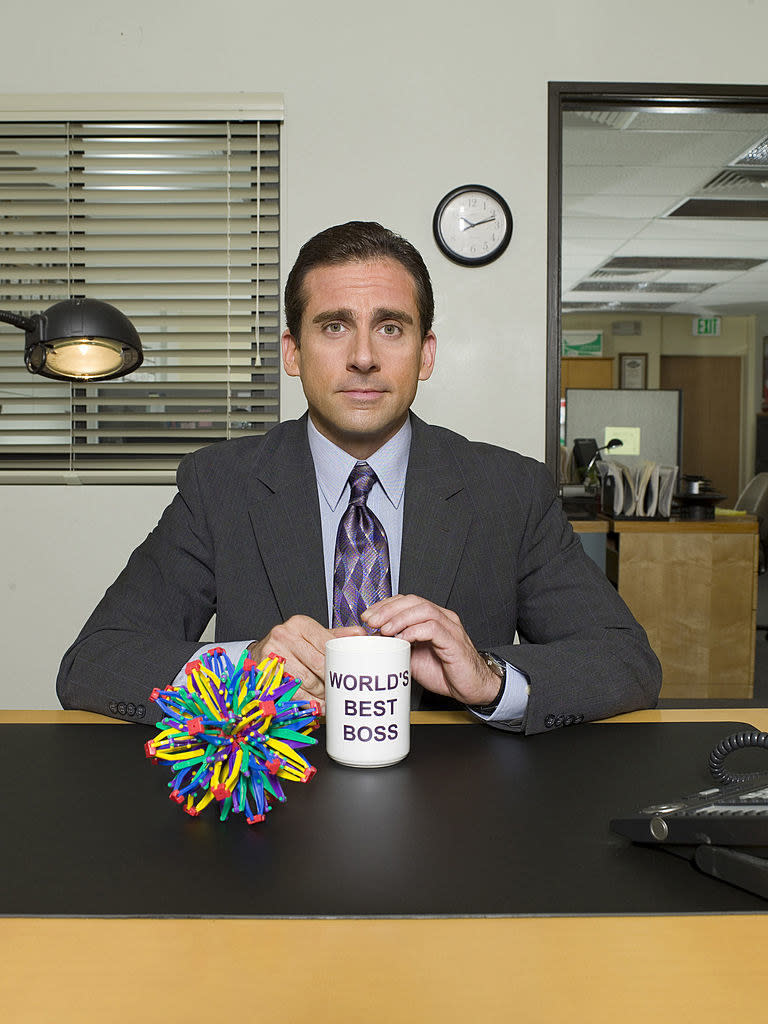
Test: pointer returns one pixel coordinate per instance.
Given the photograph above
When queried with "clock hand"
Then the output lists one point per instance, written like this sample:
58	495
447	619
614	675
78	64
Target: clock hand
471	224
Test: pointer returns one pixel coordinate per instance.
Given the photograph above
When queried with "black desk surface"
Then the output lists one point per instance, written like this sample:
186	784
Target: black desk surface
473	823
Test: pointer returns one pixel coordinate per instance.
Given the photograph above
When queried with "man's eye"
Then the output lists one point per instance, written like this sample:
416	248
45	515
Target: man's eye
334	328
391	329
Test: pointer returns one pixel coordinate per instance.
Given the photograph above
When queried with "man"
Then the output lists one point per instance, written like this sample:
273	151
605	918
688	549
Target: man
469	540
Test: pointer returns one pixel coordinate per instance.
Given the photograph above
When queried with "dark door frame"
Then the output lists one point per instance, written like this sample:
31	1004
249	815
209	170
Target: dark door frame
577	95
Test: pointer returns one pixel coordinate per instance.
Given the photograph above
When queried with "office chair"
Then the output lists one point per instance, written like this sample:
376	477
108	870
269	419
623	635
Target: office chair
754	499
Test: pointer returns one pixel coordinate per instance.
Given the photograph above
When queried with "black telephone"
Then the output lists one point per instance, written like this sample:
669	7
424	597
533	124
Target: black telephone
722	829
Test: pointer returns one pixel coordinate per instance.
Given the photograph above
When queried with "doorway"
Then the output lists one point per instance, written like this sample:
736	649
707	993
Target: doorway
658	207
658	236
711	388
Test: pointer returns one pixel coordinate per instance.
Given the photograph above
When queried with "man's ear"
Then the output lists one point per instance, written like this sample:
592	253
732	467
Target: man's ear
428	348
291	354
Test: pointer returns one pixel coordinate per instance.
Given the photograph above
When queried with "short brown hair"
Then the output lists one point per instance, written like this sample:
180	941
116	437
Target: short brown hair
356	241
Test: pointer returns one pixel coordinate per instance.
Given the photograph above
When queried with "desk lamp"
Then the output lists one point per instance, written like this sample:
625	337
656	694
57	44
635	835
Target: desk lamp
615	442
79	339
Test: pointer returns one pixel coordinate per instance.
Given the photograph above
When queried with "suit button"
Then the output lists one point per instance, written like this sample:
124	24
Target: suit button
131	710
121	709
549	721
578	719
559	721
140	711
113	706
569	719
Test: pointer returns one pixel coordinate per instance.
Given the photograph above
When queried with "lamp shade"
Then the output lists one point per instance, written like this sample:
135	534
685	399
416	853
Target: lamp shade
81	339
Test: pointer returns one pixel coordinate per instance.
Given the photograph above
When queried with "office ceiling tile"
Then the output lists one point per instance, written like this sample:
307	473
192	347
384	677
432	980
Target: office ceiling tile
622	175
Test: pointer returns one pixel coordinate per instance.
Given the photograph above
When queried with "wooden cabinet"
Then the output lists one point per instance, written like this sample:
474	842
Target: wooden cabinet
693	588
585	372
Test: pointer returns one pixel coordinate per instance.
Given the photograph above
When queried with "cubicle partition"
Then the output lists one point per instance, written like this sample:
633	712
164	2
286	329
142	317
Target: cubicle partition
649	422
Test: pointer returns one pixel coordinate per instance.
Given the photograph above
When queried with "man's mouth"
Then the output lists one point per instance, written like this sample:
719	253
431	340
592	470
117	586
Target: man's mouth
363	392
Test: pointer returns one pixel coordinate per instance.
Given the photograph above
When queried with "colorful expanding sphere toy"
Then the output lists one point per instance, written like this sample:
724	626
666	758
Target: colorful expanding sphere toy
233	733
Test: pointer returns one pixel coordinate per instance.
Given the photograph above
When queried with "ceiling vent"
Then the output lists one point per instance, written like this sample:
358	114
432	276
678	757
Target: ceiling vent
732	181
605	273
617	307
722	209
618	119
633	264
626	328
658	287
755	156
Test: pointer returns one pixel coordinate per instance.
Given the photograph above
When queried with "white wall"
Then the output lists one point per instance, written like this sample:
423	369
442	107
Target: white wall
388	106
61	548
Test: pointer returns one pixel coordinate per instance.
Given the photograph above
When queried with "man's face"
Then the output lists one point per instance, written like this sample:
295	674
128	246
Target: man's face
361	353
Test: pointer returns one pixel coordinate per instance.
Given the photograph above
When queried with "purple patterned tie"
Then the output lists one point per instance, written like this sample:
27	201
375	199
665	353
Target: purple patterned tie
361	568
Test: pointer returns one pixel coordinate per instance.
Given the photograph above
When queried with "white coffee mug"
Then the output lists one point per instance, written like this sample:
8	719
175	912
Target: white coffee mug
367	700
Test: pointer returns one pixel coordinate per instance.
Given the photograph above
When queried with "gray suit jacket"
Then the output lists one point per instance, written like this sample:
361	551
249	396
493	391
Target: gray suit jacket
483	534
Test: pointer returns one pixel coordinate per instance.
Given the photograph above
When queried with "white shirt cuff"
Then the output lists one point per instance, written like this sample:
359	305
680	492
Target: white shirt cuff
233	649
511	709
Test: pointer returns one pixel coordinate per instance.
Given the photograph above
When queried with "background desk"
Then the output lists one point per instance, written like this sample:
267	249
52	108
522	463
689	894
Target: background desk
592	534
693	588
528	969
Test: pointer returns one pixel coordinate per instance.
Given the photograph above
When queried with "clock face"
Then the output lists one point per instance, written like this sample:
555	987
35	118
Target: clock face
472	225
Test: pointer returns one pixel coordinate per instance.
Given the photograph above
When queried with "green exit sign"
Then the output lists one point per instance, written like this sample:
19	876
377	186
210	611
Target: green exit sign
706	326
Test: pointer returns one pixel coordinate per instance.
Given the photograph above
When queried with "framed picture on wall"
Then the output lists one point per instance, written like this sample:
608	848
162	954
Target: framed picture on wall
633	371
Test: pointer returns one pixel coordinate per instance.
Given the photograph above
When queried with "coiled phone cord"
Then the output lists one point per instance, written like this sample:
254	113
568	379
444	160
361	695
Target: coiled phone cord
736	740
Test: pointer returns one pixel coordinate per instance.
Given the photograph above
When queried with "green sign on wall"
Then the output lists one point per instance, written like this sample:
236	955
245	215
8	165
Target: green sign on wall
582	343
706	326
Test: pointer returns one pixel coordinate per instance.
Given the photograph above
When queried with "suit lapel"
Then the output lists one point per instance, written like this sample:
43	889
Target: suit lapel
285	515
436	518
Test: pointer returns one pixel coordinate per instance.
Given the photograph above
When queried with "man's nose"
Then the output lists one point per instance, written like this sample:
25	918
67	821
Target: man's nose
362	355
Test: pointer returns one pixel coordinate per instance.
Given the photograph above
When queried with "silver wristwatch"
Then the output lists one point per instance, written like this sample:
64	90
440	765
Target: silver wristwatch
499	668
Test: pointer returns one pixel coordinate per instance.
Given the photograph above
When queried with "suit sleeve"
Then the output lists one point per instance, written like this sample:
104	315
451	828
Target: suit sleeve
149	621
584	654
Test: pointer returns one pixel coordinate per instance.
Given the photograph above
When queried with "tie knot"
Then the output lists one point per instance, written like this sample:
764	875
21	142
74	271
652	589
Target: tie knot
361	480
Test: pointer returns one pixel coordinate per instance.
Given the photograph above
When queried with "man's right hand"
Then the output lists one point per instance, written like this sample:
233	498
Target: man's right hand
301	641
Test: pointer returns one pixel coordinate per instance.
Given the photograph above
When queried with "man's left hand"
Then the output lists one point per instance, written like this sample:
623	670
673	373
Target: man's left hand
443	658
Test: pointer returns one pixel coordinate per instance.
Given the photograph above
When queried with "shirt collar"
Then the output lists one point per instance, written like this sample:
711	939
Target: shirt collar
333	466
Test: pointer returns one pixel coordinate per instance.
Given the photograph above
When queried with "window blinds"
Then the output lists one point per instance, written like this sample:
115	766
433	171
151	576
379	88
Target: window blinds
176	224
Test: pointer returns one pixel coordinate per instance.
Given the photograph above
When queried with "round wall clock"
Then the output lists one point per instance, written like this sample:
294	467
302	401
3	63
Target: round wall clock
472	225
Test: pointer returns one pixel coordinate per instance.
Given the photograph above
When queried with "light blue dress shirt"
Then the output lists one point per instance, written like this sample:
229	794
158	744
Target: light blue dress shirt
385	500
390	464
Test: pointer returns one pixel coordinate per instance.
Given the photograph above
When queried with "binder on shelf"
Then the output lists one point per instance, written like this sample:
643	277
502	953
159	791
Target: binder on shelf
644	491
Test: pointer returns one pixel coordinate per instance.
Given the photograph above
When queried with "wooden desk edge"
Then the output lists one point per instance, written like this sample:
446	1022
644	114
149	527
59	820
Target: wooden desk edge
589	525
528	969
722	524
747	524
754	716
